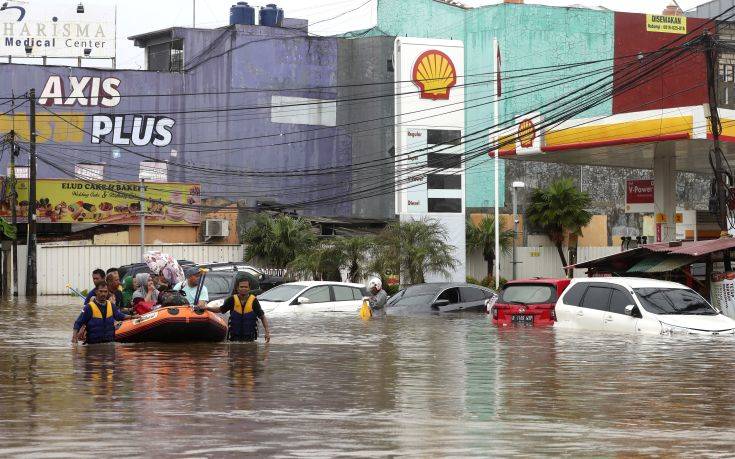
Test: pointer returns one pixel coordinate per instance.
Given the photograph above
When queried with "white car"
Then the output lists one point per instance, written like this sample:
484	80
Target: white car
638	305
312	296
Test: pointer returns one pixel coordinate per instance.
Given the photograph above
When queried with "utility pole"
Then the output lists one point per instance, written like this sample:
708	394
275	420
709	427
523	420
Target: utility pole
194	13
722	178
31	279
13	202
142	218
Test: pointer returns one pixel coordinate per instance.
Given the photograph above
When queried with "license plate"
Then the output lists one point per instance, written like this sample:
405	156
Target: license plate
521	319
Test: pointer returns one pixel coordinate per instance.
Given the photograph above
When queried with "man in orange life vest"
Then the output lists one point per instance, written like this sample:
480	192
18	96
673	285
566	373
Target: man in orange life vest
98	316
244	314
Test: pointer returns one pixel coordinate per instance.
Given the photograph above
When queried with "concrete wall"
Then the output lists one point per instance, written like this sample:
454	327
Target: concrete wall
369	112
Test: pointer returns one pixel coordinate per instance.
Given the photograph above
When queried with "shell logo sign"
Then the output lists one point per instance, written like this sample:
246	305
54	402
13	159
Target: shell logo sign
434	74
526	133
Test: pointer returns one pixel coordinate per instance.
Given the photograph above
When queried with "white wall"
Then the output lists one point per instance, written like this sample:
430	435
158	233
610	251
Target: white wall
62	265
535	261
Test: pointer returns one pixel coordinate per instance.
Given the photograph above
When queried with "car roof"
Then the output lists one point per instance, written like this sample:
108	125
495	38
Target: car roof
317	283
434	286
630	282
539	280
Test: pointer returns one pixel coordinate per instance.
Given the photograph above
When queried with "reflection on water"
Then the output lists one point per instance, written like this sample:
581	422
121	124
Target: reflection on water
326	386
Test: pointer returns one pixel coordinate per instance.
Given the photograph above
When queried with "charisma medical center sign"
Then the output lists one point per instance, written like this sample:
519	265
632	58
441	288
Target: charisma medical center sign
43	28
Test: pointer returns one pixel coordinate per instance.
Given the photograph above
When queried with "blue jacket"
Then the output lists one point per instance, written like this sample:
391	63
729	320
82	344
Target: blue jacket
100	321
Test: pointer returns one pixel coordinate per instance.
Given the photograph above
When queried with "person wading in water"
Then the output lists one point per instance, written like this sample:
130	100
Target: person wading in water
244	314
98	317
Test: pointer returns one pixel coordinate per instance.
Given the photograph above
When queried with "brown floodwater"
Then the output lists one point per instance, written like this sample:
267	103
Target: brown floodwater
335	386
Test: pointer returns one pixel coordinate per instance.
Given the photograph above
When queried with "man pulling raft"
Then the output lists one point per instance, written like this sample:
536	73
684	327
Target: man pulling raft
180	316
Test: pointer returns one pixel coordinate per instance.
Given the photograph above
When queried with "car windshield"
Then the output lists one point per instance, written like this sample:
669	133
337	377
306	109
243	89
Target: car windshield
415	300
281	293
528	294
673	301
218	284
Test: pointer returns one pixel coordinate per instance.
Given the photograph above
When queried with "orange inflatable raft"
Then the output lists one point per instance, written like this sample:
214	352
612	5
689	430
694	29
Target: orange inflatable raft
172	324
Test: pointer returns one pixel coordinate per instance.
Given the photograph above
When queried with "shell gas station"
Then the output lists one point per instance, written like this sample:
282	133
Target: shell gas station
665	141
658	122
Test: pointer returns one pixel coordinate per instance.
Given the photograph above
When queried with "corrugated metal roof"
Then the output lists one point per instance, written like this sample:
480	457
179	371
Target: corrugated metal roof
695	249
607	259
661	263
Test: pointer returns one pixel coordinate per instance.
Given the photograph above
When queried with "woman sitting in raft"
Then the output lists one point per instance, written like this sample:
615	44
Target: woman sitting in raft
145	297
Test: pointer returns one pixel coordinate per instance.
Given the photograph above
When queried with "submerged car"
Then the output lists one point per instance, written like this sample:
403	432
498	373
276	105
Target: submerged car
637	305
265	281
527	301
439	297
313	296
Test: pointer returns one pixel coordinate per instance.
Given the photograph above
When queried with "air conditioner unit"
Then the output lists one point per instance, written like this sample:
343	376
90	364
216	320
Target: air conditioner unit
216	228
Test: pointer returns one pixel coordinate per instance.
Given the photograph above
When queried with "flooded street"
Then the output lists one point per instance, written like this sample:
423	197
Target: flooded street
328	386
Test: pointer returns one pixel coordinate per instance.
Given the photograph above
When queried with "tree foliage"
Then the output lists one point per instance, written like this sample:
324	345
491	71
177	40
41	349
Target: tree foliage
278	240
413	249
482	237
557	210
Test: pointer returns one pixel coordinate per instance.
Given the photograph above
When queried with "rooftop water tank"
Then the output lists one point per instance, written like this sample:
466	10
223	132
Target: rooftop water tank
271	15
242	14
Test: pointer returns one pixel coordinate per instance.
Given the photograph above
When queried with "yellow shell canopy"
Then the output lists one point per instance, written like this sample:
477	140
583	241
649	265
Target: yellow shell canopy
434	73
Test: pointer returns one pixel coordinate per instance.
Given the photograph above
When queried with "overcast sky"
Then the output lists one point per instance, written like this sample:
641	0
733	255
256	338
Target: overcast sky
138	16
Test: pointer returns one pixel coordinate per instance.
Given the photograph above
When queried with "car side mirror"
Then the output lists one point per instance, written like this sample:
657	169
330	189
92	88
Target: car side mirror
303	300
439	303
630	310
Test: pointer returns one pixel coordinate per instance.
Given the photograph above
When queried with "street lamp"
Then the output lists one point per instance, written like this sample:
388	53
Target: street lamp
514	187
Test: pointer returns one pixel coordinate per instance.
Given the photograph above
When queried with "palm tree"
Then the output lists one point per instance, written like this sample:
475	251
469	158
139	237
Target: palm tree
278	240
321	261
413	248
354	255
482	236
559	209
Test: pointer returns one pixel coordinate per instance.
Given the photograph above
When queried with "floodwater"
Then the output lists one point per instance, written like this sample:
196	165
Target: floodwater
335	386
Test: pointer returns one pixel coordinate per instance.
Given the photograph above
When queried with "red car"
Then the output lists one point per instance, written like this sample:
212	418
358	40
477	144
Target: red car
528	301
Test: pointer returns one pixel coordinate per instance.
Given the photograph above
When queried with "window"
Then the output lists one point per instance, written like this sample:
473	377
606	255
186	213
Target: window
318	294
596	298
443	137
87	171
528	294
21	172
444	182
281	293
342	293
619	300
166	57
471	294
727	72
673	301
153	171
445	205
443	161
451	294
218	285
573	296
358	293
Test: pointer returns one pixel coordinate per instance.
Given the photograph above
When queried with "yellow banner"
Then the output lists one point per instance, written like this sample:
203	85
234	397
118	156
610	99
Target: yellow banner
666	24
105	202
